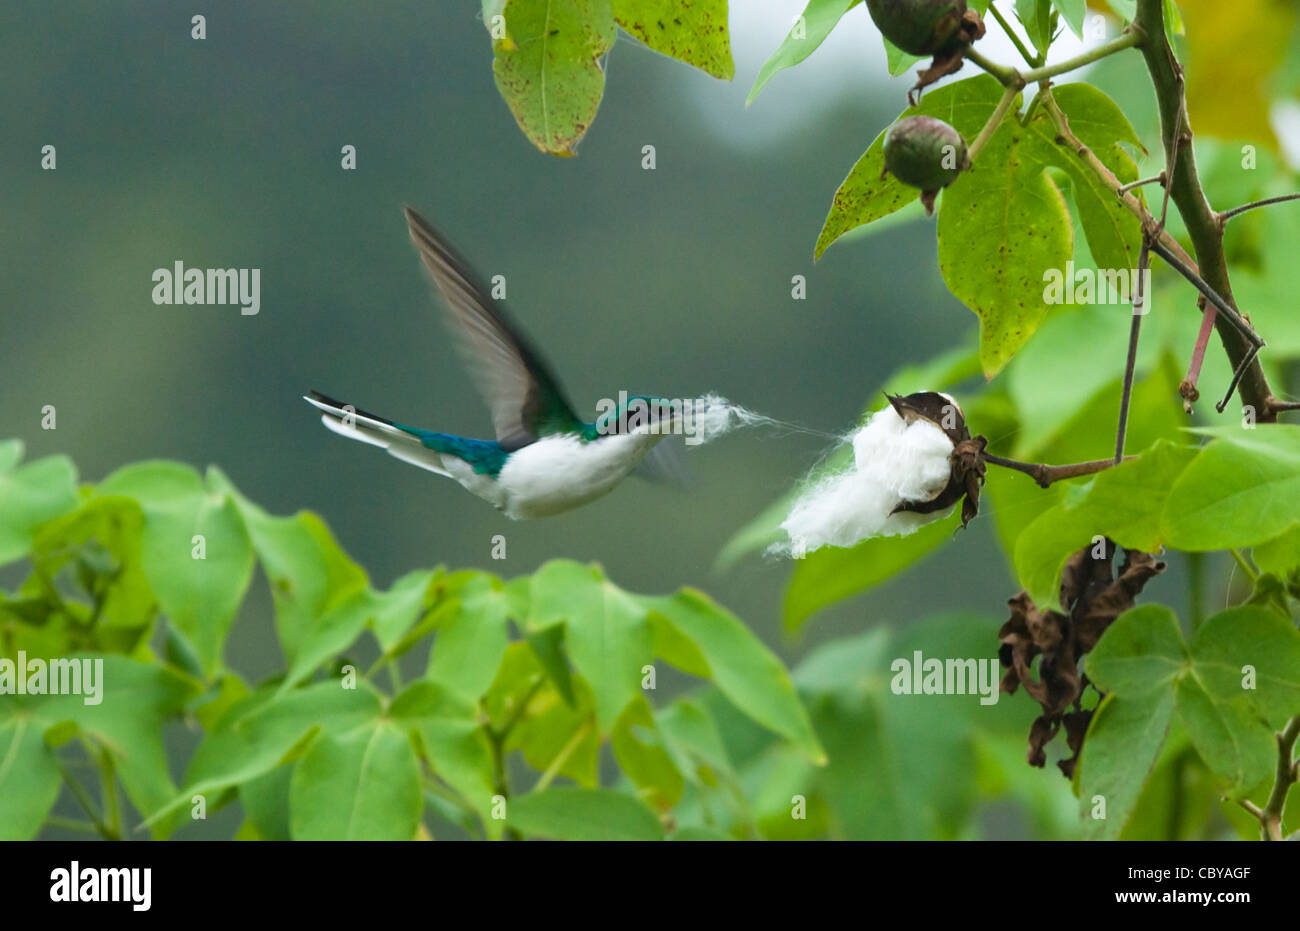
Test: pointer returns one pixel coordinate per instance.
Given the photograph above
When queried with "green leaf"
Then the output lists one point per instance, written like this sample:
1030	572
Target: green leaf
832	574
1230	738
606	633
308	572
29	777
194	549
1280	556
471	640
133	703
745	671
31	495
1239	676
583	814
1073	12
331	635
1253	654
1141	652
1002	222
1126	503
1121	748
867	194
1126	9
1243	489
361	785
547	646
1114	235
265	801
695	32
401	606
547	67
107	529
814	25
1036	15
451	740
897	60
640	752
268	729
1062	395
1173	21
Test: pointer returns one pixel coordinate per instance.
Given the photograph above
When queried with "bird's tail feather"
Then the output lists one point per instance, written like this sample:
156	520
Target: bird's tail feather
348	421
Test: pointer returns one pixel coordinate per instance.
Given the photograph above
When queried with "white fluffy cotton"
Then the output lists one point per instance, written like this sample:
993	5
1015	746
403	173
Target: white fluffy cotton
893	462
711	416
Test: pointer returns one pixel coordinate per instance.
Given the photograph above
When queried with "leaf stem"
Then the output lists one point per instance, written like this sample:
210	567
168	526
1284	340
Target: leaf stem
1029	58
1006	75
87	803
108	791
1128	39
1009	76
1244	565
999	114
72	824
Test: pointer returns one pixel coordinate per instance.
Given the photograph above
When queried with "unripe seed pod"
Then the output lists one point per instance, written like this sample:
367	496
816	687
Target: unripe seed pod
925	153
919	27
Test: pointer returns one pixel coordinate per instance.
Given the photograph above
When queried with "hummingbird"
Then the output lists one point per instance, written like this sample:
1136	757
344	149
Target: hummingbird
545	459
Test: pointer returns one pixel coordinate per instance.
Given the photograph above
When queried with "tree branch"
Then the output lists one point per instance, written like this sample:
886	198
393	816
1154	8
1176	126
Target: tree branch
1270	817
1203	224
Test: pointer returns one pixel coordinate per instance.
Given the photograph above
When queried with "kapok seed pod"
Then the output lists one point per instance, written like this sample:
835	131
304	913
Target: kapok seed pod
925	153
919	27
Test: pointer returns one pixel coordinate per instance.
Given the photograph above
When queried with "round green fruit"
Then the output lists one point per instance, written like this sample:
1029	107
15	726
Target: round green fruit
924	152
919	27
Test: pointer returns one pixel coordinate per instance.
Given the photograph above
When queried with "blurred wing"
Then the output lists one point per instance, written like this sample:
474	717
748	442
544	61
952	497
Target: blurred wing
525	398
666	464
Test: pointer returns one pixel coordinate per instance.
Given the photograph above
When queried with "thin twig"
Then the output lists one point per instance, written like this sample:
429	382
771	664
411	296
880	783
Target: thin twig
1246	361
1124	188
1134	331
1252	808
1230	313
1187	389
1045	474
1237	211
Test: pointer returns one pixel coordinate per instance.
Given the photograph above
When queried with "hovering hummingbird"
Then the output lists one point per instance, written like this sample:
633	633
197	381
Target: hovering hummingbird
544	459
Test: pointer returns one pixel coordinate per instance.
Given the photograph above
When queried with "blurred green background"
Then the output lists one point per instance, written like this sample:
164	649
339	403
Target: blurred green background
225	152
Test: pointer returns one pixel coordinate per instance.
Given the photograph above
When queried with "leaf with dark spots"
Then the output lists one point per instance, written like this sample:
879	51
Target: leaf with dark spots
547	67
692	31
